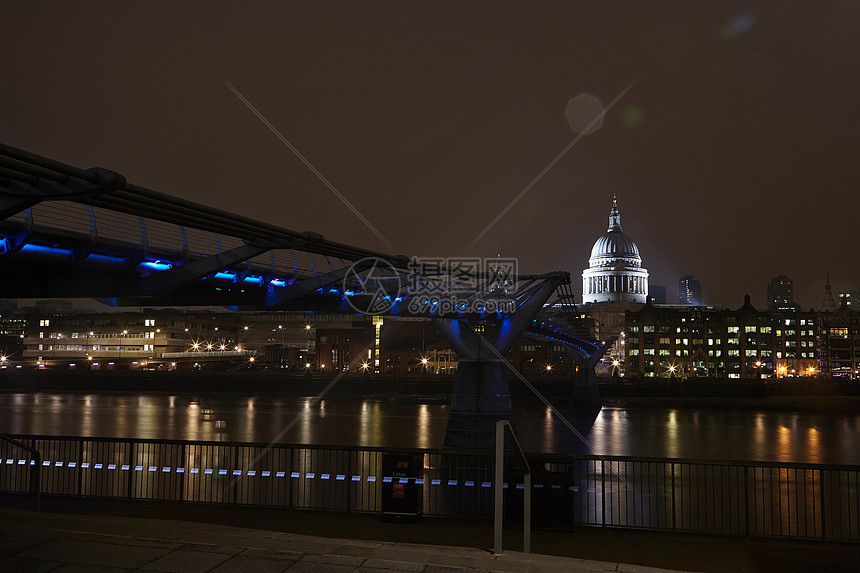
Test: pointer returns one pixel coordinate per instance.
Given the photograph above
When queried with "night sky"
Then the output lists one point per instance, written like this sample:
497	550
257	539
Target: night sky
734	155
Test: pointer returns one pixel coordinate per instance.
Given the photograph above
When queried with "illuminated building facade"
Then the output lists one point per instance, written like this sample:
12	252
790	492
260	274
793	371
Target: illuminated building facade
615	271
700	341
797	343
13	326
839	342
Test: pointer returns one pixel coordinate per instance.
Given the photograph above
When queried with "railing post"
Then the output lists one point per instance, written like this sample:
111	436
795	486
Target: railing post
287	477
497	488
184	467
527	514
674	511
348	480
80	468
823	504
746	502
130	470
235	467
37	479
602	493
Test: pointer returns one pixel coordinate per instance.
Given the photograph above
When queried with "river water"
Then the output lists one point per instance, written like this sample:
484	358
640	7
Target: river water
711	434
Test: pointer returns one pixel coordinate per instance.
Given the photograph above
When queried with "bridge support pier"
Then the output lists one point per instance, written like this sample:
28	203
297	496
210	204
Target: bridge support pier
481	394
481	397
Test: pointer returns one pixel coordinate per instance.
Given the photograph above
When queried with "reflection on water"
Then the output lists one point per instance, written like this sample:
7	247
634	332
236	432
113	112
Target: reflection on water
700	434
423	426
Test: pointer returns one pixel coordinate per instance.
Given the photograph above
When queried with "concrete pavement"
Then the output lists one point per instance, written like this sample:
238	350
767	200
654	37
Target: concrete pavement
66	543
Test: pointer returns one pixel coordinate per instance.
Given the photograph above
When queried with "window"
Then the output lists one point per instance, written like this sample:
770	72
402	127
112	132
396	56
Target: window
149	322
648	328
45	322
749	329
733	330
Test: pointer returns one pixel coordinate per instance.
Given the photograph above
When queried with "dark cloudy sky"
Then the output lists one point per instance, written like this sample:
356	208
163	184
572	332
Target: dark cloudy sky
734	156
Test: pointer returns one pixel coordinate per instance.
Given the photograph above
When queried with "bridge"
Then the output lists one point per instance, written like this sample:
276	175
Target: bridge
67	232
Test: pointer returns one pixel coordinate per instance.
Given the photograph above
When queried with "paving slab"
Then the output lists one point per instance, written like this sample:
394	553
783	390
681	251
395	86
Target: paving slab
272	554
243	563
18	564
183	561
14	542
94	553
79	568
393	565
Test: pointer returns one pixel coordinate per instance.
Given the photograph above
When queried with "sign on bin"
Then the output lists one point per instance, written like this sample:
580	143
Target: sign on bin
401	493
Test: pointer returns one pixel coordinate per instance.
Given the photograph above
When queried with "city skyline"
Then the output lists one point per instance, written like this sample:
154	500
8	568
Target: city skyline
431	120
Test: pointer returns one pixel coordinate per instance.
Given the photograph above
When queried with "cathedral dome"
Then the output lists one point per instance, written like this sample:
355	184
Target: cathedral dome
615	243
615	270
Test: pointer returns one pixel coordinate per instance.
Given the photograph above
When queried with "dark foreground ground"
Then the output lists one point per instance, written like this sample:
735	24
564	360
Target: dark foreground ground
647	548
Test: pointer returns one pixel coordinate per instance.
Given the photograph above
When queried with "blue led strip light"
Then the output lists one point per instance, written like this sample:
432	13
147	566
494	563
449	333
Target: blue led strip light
278	474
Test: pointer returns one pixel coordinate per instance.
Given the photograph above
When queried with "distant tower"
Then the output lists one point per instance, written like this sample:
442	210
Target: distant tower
614	270
657	293
689	291
780	294
828	304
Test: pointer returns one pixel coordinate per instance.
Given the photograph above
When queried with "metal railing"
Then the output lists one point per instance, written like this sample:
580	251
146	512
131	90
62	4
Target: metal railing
807	501
34	465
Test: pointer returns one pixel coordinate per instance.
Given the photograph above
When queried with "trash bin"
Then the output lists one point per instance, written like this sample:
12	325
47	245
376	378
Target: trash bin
401	493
